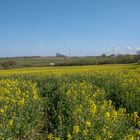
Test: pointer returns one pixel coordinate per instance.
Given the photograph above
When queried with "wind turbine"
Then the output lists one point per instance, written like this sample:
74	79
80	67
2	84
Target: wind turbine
127	49
118	50
70	51
137	50
100	51
41	49
113	50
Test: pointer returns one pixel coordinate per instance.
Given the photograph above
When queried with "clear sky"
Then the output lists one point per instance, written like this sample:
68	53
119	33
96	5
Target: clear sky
89	27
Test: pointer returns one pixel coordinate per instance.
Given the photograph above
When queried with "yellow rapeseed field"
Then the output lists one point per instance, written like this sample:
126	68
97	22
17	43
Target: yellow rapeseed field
70	103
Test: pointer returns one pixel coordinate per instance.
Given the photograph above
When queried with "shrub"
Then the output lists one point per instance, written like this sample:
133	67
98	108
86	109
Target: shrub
9	64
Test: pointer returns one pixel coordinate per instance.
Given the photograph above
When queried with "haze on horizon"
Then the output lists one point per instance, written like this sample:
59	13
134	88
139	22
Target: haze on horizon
89	27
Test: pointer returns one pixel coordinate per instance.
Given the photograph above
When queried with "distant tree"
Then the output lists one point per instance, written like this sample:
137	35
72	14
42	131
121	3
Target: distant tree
137	58
103	55
12	63
124	59
5	65
112	55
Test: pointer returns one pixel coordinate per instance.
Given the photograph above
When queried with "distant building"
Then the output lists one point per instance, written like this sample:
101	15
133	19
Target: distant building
60	55
52	64
112	55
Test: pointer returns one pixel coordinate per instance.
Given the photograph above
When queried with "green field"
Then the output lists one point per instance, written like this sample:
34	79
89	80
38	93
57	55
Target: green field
19	62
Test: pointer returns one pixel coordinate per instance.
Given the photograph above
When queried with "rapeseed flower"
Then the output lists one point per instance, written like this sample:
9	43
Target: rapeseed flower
50	136
1	111
88	123
130	137
69	136
76	129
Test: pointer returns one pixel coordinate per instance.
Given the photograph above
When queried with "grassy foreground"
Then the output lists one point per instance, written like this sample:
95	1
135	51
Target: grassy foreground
70	103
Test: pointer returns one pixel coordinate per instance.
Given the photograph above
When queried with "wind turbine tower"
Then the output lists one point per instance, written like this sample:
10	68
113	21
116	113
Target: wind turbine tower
113	50
41	50
128	49
70	51
100	52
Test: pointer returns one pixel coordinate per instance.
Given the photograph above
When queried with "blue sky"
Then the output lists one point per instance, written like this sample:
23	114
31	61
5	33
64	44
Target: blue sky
89	27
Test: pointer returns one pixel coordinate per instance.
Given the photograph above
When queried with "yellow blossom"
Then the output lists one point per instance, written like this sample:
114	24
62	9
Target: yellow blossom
88	123
98	137
11	122
69	136
93	109
103	130
1	110
50	136
138	132
21	102
75	129
85	131
56	138
114	113
107	114
109	102
130	137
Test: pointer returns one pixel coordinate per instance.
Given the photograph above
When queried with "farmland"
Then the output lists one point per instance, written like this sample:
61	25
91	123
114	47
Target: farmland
70	103
37	61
